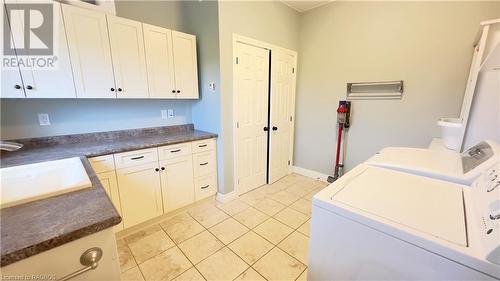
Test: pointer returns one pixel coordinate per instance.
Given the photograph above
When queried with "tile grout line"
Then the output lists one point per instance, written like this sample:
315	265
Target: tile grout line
184	254
248	229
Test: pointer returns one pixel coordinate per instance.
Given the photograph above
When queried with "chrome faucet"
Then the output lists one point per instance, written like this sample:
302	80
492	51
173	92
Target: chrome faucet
10	146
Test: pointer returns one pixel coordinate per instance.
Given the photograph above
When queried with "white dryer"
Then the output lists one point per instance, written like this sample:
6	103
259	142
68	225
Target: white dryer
379	224
462	168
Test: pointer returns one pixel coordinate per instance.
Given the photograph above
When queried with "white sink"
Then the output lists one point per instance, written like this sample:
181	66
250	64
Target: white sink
26	183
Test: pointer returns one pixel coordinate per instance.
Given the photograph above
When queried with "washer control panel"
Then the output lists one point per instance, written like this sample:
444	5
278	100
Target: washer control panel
486	197
476	155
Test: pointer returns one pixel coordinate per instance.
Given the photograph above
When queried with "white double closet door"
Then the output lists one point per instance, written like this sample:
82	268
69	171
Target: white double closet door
264	90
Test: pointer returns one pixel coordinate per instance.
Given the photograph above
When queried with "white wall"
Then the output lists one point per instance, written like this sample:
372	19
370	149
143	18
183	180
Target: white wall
268	21
426	44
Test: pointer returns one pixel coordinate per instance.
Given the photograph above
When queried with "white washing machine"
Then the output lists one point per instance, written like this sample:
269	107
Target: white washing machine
379	224
462	168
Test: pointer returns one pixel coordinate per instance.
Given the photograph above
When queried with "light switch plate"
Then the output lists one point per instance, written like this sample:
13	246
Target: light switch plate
164	114
43	119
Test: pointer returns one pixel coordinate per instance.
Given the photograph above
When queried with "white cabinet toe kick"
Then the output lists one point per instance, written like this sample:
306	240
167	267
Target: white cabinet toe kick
147	183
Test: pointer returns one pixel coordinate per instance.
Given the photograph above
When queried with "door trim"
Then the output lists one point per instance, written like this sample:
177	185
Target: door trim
237	38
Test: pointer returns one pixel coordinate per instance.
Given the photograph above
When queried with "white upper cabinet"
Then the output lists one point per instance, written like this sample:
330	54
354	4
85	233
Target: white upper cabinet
185	65
12	83
129	61
172	63
90	52
104	56
38	82
160	61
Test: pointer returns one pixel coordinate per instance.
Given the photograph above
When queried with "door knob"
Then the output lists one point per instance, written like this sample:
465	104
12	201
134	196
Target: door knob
112	89
163	168
17	87
275	128
157	169
266	129
178	91
119	89
29	87
173	91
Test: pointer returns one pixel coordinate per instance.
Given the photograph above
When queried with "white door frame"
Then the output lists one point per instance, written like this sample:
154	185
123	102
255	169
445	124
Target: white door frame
257	43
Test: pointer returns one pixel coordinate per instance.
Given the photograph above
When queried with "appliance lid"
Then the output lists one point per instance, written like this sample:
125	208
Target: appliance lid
439	162
424	205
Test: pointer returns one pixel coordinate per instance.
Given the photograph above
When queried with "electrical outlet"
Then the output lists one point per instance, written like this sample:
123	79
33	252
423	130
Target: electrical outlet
43	119
171	113
164	114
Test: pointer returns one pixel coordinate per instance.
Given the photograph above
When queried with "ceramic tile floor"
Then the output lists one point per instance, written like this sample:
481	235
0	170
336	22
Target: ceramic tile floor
262	235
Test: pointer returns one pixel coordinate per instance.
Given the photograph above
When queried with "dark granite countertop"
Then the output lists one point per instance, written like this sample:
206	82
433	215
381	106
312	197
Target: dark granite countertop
38	226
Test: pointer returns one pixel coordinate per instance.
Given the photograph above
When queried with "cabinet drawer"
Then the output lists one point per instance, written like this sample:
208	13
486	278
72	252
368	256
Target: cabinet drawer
204	163
174	150
136	157
203	145
205	186
103	163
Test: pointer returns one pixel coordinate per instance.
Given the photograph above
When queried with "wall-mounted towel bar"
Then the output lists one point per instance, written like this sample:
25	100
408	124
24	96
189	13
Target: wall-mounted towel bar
375	90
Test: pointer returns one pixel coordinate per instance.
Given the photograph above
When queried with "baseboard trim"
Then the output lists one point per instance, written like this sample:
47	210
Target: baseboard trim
223	198
310	173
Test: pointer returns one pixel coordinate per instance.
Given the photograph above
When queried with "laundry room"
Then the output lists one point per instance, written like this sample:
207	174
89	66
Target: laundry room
250	140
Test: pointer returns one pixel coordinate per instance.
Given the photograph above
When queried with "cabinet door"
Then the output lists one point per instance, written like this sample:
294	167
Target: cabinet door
185	65
108	181
140	193
89	51
177	182
39	82
159	61
129	61
11	82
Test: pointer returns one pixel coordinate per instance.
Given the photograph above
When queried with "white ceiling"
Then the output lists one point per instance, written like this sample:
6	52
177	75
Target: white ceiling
305	5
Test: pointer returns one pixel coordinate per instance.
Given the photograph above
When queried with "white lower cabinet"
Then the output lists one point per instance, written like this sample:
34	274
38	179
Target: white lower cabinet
144	184
177	182
59	262
140	193
204	168
110	184
205	186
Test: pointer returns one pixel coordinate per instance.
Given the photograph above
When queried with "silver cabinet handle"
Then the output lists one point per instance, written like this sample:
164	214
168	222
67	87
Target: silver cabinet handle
90	259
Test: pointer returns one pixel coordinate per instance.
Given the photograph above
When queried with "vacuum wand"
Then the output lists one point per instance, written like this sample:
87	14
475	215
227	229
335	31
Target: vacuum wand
343	116
337	156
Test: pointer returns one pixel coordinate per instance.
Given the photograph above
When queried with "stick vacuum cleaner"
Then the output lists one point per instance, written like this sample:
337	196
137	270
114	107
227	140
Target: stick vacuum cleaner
343	116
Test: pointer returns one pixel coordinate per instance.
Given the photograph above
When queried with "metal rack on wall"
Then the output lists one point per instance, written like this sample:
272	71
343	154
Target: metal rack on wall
375	90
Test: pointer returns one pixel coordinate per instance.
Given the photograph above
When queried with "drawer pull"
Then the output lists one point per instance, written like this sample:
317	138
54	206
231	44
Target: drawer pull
203	164
174	151
202	145
205	187
137	158
90	259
